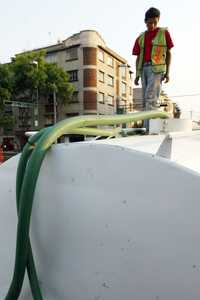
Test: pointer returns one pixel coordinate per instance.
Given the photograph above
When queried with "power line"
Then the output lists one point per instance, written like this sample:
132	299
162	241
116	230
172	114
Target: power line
176	96
184	95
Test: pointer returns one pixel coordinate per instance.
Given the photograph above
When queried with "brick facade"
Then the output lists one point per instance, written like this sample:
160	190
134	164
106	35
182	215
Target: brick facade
89	56
90	78
90	100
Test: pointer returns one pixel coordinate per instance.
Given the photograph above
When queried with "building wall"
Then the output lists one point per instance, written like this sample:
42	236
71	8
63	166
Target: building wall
80	56
89	56
88	65
114	88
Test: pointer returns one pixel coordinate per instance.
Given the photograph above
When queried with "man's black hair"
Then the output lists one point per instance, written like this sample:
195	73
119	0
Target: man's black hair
152	12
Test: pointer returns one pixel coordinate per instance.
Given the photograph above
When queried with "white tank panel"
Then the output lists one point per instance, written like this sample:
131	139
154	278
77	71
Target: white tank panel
185	147
108	223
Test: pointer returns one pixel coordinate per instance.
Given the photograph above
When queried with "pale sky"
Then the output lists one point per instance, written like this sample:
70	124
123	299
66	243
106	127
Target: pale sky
28	24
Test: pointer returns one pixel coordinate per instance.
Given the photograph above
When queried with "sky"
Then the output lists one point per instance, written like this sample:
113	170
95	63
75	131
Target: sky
28	24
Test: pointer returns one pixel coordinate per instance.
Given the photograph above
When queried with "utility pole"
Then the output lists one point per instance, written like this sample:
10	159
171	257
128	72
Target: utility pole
36	106
54	106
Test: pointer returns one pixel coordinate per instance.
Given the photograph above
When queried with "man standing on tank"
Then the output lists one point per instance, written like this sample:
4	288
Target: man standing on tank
152	49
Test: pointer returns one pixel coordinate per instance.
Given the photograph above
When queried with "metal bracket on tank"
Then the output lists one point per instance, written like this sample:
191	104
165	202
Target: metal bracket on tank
165	149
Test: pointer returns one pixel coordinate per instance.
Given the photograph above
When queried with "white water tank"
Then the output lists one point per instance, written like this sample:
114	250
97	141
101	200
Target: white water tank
111	220
157	126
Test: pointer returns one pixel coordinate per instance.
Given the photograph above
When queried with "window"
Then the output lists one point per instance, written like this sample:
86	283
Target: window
122	102
24	117
51	58
73	75
110	80
74	98
110	100
101	76
101	98
101	55
110	61
123	72
72	53
123	88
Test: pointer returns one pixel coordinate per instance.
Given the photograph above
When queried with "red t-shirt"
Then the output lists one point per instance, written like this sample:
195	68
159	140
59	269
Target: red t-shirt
149	36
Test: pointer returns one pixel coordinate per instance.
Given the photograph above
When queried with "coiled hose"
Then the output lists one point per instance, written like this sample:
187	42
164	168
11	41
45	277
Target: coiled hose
27	174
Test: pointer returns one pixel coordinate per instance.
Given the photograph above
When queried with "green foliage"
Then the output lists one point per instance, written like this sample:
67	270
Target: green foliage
58	80
28	75
6	84
32	72
5	95
6	121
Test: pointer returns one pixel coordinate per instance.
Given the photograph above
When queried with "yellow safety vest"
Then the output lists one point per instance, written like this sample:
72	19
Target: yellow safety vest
158	53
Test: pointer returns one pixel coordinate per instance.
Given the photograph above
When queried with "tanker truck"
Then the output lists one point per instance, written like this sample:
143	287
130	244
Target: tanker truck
109	219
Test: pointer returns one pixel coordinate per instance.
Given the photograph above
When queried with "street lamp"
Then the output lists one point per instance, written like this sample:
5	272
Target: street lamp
122	78
54	104
36	110
125	82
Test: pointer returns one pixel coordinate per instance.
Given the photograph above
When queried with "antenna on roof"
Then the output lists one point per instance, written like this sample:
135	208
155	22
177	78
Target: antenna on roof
50	37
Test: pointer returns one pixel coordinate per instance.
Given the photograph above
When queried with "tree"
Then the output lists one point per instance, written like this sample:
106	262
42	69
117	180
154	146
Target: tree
6	86
28	77
57	80
32	73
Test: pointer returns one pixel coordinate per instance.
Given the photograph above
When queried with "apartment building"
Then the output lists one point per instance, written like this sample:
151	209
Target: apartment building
101	77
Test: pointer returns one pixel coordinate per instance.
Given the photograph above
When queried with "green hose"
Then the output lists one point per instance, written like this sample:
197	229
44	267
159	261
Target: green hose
31	270
27	174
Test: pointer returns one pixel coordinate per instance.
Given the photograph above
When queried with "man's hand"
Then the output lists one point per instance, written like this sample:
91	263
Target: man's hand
166	78
136	81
